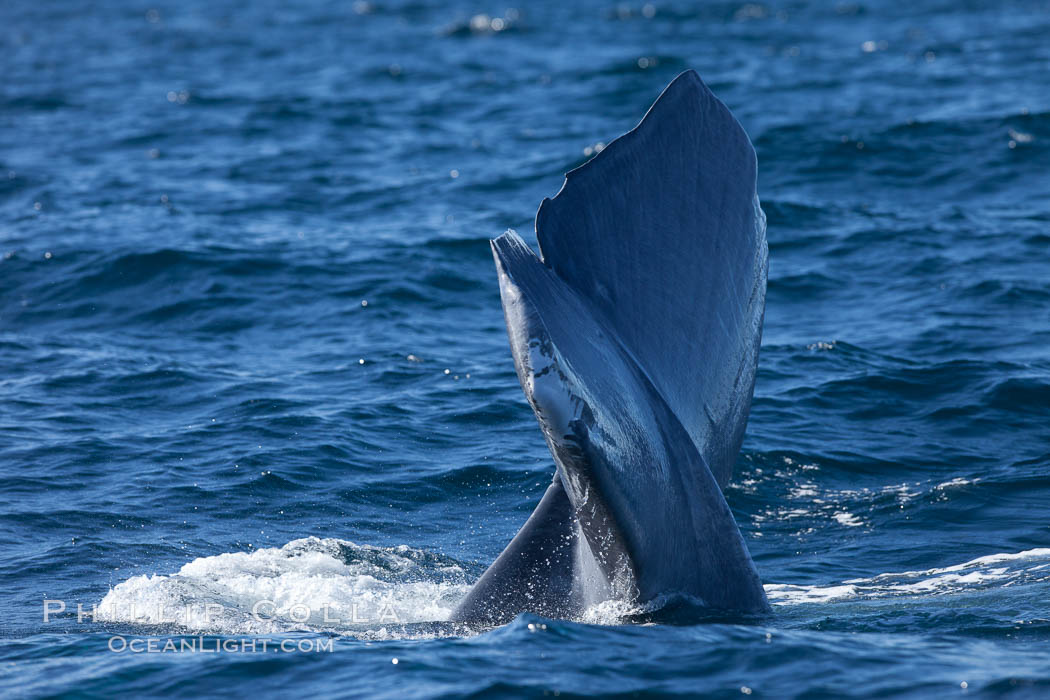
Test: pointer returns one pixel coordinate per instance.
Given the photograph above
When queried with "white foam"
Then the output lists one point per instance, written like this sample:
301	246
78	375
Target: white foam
786	593
610	612
971	575
310	584
339	587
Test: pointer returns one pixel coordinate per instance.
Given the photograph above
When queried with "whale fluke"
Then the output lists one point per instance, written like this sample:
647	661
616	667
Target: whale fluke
635	339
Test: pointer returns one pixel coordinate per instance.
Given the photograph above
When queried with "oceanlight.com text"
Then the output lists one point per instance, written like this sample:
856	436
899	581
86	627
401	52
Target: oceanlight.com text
211	645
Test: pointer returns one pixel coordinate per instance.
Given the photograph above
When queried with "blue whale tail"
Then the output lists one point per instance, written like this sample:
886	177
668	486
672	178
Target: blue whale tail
635	338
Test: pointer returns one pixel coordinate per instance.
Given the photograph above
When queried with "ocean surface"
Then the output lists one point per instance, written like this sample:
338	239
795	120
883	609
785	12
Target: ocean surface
255	383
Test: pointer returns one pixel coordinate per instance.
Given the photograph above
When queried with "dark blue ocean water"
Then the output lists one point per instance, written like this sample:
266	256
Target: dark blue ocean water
251	345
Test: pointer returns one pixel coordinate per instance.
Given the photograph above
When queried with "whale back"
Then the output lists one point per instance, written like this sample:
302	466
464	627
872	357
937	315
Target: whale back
663	234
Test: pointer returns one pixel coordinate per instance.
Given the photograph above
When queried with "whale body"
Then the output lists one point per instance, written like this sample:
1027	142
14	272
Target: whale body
635	335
